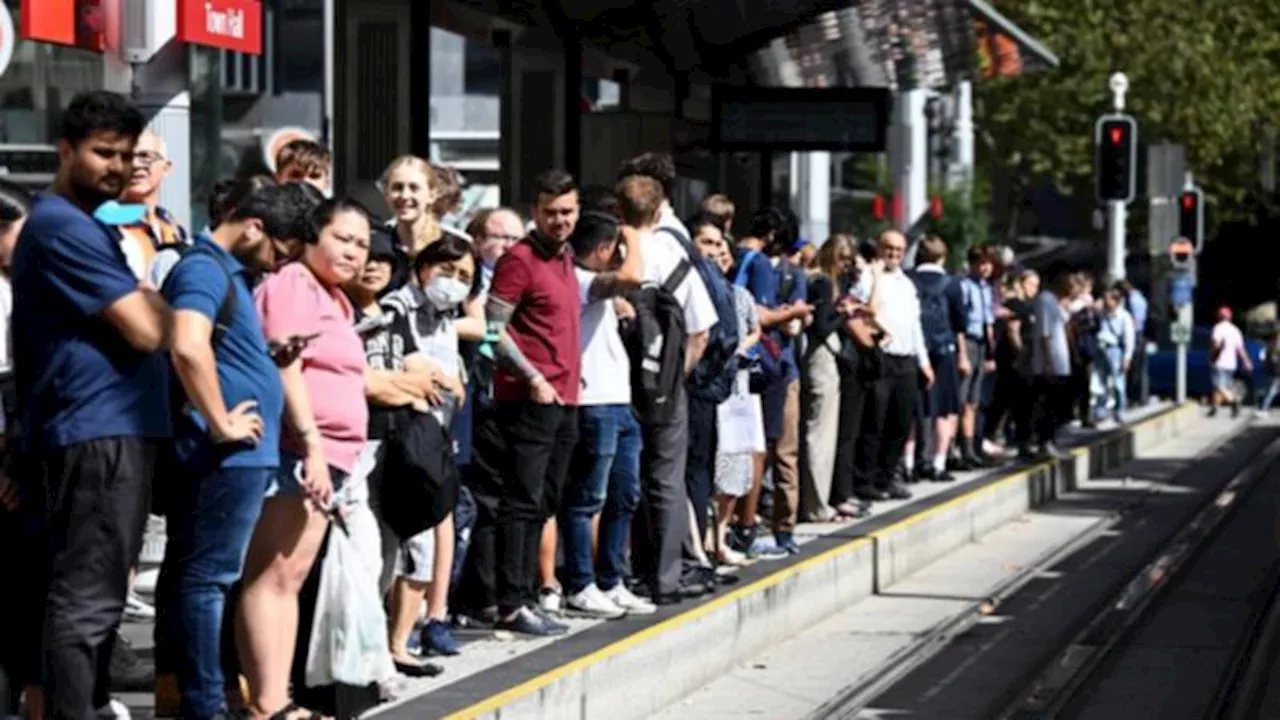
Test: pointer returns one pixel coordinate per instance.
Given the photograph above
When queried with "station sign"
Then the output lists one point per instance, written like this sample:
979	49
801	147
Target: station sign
228	24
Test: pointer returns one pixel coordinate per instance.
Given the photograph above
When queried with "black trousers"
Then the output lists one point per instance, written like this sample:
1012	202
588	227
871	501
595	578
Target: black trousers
891	407
92	507
700	471
540	441
853	408
1055	399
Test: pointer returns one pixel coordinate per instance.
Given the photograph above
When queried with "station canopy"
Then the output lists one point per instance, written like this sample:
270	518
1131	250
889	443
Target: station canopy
806	43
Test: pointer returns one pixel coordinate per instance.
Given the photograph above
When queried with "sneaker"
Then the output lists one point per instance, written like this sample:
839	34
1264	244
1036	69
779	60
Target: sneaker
787	543
435	638
527	622
114	710
551	601
128	672
546	617
135	608
593	603
1261	414
765	549
622	597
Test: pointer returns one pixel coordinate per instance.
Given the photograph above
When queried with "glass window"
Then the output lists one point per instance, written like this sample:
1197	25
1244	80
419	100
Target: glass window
39	83
482	71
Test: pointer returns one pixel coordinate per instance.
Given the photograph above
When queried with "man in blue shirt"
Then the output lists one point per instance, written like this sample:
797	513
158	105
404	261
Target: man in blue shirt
226	431
780	290
979	340
93	401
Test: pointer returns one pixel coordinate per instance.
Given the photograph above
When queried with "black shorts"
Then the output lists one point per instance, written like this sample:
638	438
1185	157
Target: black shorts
943	398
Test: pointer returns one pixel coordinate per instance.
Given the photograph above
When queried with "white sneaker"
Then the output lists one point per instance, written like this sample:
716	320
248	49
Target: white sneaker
135	608
551	601
591	602
620	596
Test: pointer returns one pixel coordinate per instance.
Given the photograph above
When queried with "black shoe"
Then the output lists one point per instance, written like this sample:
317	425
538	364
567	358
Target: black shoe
943	477
959	464
529	622
977	463
697	581
665	599
870	495
475	619
924	472
129	673
896	491
418	670
1235	410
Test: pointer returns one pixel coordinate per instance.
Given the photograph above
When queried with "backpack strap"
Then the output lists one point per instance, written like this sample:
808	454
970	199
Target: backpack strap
227	309
677	276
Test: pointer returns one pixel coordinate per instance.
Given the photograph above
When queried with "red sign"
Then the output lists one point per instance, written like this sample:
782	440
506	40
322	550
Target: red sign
1117	134
86	24
227	24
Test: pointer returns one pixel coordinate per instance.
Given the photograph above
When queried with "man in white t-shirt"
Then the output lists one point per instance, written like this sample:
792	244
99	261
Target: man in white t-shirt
604	478
641	199
1228	355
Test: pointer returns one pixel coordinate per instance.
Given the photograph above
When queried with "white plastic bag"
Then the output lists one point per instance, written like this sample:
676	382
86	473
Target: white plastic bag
740	421
349	631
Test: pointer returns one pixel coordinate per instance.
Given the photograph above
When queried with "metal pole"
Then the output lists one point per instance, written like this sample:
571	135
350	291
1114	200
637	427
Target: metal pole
1117	214
1184	319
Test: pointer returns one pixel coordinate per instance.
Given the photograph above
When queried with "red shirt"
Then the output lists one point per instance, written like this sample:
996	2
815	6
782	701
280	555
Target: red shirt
543	290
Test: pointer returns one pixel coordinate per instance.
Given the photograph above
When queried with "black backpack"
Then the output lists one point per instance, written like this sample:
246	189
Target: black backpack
169	466
935	316
655	341
713	377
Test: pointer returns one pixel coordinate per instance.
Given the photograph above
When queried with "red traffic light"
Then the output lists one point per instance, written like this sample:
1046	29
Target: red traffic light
935	207
877	207
1117	135
1188	200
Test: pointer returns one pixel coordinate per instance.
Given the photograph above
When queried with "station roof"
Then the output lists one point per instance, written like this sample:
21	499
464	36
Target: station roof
707	37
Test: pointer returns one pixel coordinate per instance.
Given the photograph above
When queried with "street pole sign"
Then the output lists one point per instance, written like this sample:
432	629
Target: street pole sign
1182	283
1115	139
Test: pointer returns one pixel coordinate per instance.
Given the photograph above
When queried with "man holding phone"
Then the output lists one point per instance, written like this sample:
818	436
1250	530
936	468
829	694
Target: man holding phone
227	431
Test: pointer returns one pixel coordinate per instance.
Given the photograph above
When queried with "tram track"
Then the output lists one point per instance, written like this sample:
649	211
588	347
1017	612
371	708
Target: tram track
1066	685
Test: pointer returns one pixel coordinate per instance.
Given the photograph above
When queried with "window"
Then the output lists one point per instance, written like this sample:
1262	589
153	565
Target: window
482	69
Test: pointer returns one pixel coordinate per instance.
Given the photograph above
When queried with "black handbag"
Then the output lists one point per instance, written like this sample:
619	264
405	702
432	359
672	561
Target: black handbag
417	486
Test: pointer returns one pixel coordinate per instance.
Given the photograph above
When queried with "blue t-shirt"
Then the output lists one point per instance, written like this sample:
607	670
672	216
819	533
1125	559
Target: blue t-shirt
245	370
764	282
78	379
798	290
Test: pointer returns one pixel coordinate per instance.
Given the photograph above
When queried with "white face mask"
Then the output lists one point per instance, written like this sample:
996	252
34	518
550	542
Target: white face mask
446	292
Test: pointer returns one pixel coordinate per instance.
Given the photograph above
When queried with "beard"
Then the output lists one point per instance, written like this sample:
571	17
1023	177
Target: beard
89	194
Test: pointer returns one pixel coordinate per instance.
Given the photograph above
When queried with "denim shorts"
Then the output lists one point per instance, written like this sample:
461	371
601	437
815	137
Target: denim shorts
1223	379
288	479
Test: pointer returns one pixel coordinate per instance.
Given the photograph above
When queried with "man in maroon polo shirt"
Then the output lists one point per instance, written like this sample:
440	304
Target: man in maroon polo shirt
534	308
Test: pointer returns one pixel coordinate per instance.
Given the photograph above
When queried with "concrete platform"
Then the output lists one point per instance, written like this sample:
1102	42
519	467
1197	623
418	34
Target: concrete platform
637	667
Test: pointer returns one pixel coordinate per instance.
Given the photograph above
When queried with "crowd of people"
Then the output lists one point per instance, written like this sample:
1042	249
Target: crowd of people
598	406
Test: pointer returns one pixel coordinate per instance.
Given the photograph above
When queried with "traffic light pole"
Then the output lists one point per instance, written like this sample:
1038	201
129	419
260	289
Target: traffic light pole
1117	211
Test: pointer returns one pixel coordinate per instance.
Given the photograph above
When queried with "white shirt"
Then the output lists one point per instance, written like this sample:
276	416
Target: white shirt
6	330
1116	330
899	315
662	253
606	370
1231	339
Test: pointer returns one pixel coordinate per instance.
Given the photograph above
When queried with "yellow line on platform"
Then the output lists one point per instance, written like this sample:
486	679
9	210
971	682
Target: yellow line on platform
532	685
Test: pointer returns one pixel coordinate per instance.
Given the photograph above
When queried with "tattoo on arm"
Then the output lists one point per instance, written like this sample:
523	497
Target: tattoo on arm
605	285
498	314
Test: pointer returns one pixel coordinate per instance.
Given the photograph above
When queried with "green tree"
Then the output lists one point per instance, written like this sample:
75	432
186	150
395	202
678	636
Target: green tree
1202	73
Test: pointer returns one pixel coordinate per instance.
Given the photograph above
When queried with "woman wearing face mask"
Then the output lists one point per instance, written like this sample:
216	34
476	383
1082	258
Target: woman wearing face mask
326	425
445	274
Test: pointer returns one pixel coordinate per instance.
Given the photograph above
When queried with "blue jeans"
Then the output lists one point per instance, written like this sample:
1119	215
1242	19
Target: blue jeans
1109	372
605	479
209	529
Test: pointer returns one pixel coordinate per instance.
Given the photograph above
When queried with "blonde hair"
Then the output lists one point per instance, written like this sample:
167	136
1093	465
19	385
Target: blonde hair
429	230
828	255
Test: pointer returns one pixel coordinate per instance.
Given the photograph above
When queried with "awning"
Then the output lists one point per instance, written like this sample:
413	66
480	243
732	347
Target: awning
1003	47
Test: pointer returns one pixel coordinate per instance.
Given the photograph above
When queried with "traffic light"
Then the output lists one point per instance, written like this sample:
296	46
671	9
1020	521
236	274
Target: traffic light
1191	217
1116	145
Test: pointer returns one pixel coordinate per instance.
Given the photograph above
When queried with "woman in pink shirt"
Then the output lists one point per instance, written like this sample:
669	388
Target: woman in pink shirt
326	422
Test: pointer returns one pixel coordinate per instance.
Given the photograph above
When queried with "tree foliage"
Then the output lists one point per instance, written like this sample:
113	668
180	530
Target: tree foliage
1202	73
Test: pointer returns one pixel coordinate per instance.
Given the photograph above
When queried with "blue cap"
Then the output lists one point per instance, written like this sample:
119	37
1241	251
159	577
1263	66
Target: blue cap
799	244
